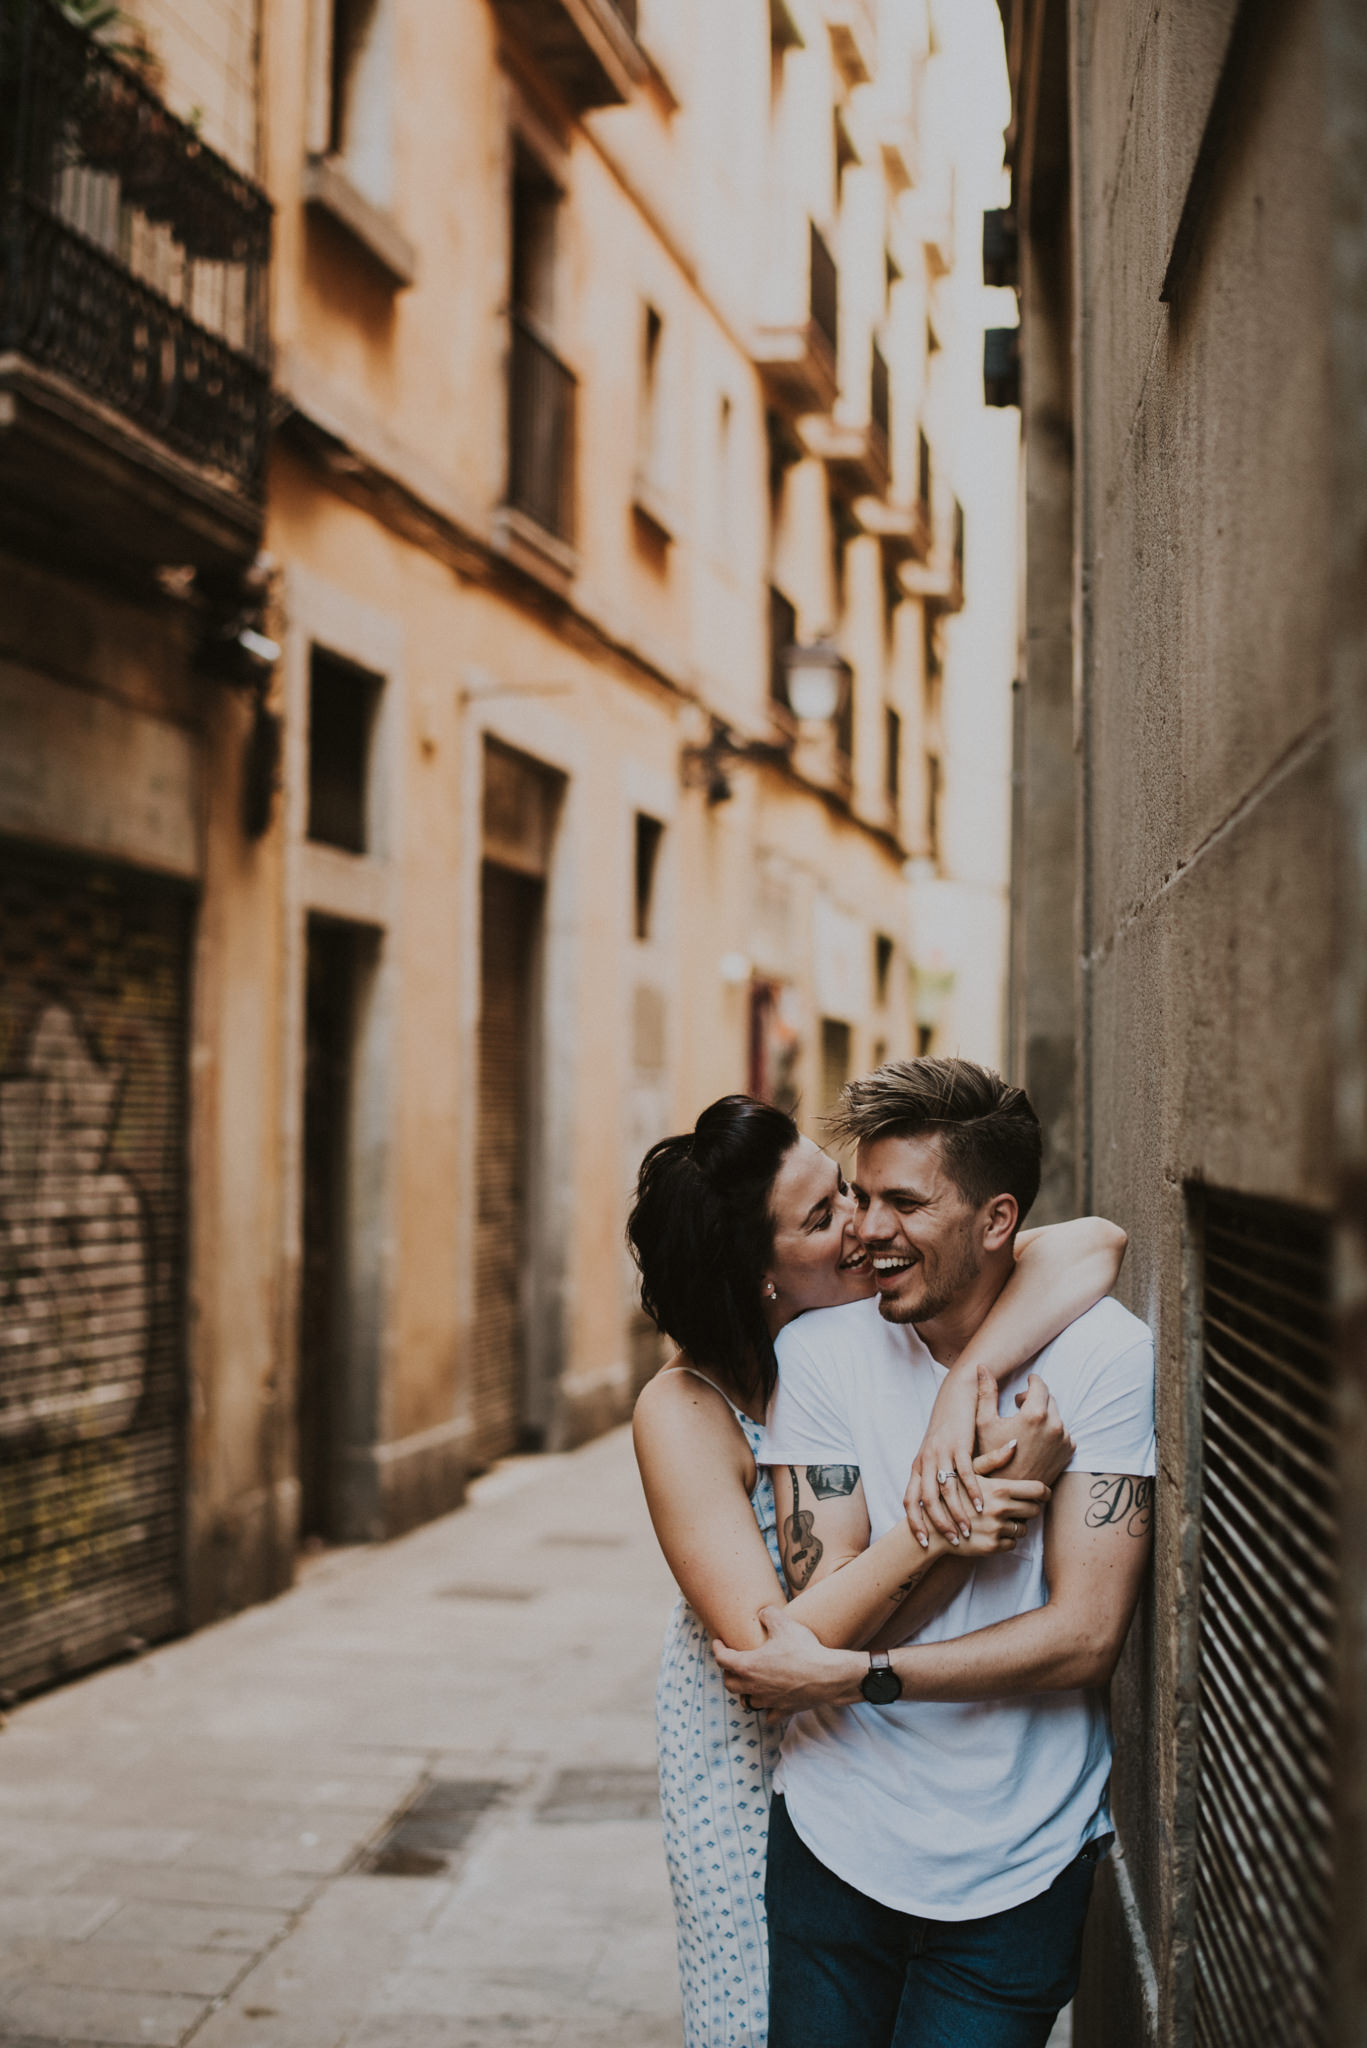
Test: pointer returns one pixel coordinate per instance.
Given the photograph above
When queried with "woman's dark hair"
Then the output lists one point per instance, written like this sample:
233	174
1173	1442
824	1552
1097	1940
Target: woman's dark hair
701	1233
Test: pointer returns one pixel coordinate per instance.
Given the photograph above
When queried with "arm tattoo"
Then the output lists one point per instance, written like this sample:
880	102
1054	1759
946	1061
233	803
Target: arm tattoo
1119	1500
802	1547
832	1482
899	1593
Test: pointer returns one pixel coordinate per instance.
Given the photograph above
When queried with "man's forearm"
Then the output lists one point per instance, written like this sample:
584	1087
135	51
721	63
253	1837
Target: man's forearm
1031	1653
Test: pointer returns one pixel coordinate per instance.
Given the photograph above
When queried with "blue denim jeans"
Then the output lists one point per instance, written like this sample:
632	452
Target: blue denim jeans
847	1972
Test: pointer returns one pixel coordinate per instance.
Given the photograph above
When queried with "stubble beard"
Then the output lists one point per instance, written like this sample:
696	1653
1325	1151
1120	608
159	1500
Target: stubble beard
935	1301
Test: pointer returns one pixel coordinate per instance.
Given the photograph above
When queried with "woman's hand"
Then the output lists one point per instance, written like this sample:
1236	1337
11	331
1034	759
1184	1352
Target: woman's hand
943	1485
1008	1504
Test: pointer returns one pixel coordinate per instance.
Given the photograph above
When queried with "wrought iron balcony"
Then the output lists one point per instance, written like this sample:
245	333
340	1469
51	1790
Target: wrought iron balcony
825	292
797	357
856	451
541	396
588	47
133	308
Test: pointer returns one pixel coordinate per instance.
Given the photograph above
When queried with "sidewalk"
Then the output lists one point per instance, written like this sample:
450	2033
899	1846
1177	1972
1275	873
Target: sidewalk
209	1846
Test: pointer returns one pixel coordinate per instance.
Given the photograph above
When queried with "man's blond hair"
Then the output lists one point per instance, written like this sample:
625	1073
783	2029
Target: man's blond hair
990	1136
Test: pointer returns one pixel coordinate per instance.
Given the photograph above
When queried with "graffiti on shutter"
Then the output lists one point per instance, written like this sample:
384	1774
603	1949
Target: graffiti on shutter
91	1222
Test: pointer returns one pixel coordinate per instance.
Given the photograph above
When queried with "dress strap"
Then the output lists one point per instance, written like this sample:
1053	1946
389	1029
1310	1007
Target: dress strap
739	1413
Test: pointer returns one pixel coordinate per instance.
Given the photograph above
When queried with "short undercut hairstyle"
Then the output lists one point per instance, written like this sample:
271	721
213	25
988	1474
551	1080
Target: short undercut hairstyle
991	1141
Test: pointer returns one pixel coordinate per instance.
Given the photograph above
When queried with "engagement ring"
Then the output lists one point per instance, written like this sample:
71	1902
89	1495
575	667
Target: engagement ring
943	1478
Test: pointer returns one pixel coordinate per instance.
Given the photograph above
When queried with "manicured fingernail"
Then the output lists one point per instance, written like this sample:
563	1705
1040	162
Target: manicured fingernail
963	1529
924	1541
1011	1445
978	1505
954	1539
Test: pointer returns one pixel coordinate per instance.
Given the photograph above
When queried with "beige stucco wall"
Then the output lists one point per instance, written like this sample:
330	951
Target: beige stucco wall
602	658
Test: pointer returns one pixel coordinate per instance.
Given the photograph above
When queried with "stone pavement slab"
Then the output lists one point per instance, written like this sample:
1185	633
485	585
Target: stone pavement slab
189	1844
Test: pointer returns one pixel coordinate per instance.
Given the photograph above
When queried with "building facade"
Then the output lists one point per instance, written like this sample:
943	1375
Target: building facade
1187	235
426	435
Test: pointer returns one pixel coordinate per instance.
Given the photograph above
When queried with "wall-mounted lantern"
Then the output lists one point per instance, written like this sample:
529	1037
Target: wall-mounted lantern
816	679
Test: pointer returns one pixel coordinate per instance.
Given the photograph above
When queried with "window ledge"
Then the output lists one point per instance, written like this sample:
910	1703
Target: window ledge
328	190
651	506
528	544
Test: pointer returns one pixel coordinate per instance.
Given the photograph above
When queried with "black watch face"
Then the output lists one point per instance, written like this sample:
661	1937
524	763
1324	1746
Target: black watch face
881	1686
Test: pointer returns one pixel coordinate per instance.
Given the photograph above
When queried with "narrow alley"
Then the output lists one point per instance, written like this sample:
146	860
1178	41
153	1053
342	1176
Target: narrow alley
410	1804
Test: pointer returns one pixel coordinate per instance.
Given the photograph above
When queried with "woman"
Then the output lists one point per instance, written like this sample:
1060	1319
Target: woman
738	1227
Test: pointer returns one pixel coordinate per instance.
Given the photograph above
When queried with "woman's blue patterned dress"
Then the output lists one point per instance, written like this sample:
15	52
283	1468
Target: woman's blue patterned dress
716	1770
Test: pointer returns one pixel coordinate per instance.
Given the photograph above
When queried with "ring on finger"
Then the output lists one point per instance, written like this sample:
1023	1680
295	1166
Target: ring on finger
943	1478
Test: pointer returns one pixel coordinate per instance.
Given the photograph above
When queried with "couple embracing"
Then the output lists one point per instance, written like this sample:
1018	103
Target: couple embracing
902	1470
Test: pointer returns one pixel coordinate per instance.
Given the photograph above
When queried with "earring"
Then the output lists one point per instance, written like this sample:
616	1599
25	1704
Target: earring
771	1290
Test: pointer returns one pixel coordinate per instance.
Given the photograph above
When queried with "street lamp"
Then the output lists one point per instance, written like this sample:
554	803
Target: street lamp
816	679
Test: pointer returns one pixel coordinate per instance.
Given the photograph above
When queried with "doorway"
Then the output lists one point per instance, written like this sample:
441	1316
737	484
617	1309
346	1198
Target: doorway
337	968
512	907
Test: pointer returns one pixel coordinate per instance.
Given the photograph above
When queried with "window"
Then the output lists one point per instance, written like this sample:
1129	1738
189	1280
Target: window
934	797
784	35
343	703
536	204
835	1060
923	477
360	125
541	389
648	455
882	966
782	633
785	452
724	521
932	655
893	764
844	529
649	833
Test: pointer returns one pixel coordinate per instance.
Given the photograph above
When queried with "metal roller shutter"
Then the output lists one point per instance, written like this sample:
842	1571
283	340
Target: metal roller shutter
1268	1619
510	913
92	1212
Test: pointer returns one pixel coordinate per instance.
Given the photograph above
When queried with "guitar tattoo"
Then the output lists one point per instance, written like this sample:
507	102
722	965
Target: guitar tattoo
802	1547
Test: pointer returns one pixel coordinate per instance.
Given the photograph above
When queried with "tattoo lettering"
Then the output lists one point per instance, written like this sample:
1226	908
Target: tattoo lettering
1119	1500
832	1482
802	1547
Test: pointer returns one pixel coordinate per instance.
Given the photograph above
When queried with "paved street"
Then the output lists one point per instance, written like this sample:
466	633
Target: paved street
409	1805
184	1839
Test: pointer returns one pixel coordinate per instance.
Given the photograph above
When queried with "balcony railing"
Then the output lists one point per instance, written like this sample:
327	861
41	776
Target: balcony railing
541	393
134	260
588	48
825	291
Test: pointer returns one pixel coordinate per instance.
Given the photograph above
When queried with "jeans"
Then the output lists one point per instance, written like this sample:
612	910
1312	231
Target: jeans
847	1972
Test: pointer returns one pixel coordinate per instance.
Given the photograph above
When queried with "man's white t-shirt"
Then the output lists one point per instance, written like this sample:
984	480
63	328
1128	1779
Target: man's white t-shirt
951	1811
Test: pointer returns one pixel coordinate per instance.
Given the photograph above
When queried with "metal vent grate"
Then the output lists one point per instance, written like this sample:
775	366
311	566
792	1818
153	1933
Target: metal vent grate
1269	1599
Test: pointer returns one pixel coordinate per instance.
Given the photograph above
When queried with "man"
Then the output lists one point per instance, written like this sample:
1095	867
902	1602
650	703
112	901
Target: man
941	1806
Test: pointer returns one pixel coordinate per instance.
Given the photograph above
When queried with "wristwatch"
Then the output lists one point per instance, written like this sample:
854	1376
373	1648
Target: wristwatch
880	1684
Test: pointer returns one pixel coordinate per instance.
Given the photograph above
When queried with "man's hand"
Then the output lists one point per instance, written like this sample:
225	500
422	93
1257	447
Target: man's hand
1044	1448
793	1669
